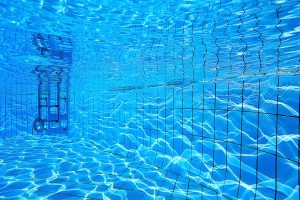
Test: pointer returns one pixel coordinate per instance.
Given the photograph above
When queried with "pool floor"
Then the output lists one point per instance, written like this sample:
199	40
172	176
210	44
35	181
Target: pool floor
55	167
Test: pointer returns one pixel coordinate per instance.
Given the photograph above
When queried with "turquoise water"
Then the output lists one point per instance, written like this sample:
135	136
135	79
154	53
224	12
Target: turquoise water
149	99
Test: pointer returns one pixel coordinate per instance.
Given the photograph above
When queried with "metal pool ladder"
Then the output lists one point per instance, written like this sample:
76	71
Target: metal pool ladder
53	87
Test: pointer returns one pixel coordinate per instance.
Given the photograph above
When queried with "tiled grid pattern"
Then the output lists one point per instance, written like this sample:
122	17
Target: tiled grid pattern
156	123
239	109
197	95
18	85
17	110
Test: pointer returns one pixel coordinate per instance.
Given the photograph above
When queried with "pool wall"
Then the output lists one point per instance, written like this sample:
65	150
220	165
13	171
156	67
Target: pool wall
214	97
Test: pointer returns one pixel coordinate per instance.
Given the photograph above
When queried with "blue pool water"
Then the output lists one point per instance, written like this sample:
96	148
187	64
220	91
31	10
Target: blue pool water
149	99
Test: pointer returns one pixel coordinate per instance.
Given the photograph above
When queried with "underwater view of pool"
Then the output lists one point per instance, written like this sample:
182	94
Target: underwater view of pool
136	99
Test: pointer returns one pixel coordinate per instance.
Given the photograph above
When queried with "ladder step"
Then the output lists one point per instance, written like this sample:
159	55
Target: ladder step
48	105
53	120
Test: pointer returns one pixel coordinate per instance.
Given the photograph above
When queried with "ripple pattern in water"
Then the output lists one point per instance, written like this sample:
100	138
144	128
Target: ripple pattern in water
168	99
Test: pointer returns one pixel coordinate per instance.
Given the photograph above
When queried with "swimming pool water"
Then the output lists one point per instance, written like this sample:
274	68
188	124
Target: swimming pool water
149	99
